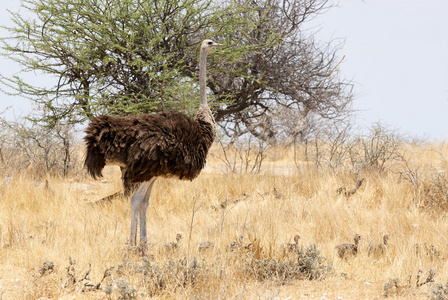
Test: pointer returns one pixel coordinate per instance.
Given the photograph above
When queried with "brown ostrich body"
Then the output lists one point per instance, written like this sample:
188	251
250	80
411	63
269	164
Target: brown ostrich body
347	250
288	247
377	250
168	144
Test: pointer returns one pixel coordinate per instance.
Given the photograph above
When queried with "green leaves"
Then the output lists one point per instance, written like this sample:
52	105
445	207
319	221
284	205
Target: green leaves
125	57
108	56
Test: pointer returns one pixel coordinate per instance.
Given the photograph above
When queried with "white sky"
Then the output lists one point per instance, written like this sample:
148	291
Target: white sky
396	53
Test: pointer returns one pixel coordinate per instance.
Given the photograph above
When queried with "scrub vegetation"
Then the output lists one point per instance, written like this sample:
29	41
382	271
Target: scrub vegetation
57	241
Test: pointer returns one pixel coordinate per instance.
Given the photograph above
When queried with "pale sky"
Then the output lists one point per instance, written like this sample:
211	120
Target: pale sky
396	54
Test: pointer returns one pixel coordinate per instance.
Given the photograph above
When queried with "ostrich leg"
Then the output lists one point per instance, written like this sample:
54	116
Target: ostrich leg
139	206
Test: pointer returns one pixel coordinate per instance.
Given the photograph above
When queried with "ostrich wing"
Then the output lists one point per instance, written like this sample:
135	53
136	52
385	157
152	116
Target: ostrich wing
168	145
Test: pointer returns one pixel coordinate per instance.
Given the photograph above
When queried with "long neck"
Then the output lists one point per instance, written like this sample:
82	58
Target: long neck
202	79
204	114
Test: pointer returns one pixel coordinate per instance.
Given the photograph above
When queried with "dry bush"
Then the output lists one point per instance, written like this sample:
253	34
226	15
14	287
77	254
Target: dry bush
156	279
439	291
378	150
40	150
396	288
304	263
338	148
241	156
324	143
429	181
435	190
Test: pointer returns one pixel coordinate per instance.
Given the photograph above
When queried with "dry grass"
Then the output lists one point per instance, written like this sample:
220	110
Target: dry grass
58	224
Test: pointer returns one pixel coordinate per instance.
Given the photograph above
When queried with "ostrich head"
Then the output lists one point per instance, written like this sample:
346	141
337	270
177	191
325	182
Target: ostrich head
209	44
179	236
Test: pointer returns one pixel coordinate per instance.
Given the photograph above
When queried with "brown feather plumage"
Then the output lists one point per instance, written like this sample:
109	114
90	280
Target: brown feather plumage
168	144
347	250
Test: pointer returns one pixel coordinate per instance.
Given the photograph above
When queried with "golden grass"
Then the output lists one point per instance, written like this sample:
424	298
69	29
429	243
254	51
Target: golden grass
60	222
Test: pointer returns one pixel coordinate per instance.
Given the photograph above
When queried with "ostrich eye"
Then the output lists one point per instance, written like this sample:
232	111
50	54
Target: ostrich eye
210	43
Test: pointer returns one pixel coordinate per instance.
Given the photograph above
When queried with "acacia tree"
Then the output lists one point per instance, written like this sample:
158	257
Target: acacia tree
106	56
289	72
137	56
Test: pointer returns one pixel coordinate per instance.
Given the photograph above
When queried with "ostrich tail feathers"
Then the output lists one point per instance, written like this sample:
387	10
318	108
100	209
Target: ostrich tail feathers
94	162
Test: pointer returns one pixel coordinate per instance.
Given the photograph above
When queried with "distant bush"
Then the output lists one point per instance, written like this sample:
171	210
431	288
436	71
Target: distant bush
339	148
435	190
242	156
41	149
429	181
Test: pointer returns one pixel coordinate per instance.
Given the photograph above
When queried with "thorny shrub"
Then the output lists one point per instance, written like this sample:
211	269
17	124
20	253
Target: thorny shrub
41	149
242	156
338	148
435	190
378	150
439	291
429	182
157	278
305	263
394	288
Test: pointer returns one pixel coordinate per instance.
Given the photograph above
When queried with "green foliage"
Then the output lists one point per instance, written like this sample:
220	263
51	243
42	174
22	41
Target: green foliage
107	56
125	57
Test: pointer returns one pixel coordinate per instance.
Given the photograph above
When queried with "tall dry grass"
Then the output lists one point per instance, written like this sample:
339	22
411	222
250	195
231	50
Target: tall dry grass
55	242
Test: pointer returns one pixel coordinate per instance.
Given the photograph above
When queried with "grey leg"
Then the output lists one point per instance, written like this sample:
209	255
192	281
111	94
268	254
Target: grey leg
139	205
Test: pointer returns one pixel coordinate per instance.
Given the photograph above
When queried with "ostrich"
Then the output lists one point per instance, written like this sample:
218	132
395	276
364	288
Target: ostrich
346	250
288	247
379	249
171	246
168	144
238	244
205	246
